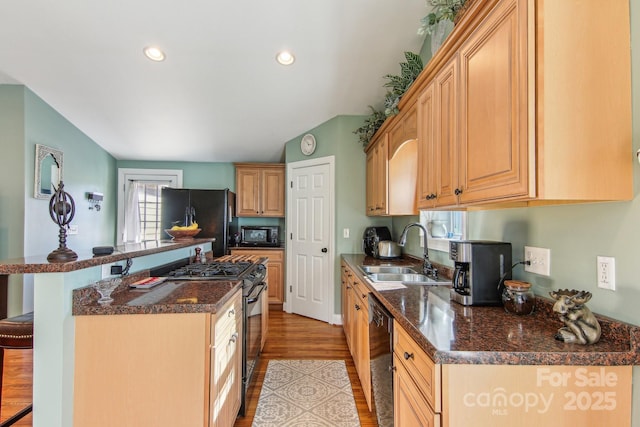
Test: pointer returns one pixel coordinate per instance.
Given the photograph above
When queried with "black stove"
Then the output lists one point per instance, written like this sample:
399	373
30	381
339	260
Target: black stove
213	270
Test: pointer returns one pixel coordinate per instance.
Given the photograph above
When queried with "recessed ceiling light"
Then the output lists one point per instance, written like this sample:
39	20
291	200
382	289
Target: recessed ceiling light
154	53
285	58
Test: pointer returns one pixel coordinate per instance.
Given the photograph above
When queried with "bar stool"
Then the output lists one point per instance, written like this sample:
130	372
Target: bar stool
15	333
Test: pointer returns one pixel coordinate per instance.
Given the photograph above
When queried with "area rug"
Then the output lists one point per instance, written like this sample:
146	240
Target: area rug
306	393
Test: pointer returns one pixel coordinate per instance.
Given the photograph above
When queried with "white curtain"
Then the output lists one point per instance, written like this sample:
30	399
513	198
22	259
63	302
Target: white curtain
131	232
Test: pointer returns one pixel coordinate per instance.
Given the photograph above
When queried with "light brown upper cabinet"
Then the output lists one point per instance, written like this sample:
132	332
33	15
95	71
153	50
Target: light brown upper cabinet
260	189
377	163
392	169
528	102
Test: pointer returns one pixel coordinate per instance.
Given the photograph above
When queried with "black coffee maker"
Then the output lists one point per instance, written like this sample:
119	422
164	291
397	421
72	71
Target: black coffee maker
480	270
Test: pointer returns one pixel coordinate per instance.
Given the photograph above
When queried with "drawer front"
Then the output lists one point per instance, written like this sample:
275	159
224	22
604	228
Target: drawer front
227	319
361	290
410	407
425	373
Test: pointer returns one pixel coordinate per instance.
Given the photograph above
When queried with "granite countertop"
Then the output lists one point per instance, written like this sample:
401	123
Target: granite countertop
187	296
171	296
452	333
39	264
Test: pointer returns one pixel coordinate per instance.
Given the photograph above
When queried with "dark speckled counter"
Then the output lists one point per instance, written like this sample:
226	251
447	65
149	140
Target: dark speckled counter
192	296
39	264
453	334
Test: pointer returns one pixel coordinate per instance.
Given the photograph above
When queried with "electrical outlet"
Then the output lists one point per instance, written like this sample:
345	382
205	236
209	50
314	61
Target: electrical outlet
540	260
106	271
73	229
345	233
606	272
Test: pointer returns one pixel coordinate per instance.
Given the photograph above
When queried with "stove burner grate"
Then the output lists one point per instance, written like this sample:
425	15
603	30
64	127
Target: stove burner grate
213	270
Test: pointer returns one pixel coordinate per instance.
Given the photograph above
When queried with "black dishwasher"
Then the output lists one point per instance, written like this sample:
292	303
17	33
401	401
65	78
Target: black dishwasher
381	361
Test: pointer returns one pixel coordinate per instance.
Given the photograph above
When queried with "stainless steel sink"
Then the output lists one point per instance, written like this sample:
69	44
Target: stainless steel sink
380	269
407	279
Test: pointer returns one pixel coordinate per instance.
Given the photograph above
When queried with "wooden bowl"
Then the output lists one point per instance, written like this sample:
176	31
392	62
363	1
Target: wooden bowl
182	234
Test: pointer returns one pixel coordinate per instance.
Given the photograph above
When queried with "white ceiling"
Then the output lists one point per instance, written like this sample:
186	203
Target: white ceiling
219	96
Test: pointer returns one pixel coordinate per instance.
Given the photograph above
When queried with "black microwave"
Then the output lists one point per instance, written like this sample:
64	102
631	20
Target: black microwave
265	235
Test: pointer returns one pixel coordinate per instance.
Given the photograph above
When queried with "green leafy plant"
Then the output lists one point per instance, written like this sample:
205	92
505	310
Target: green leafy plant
370	126
442	10
409	71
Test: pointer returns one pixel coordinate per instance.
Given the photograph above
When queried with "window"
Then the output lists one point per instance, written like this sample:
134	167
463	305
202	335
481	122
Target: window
140	202
149	209
443	226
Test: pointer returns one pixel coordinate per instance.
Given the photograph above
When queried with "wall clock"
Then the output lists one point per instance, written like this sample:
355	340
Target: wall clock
308	144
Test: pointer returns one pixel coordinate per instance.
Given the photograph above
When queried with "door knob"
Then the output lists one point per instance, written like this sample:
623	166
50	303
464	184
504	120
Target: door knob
324	250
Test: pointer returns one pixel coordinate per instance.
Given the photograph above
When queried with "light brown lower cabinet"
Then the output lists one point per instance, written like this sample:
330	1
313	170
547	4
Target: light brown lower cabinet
410	407
275	268
182	369
462	395
355	299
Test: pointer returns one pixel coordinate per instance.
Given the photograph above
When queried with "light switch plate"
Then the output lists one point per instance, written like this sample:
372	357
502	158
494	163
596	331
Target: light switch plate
540	260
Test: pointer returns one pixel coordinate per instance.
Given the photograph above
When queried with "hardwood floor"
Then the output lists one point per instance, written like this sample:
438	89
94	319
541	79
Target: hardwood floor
290	337
296	337
17	384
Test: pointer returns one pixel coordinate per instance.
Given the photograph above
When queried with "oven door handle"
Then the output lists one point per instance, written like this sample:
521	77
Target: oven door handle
260	288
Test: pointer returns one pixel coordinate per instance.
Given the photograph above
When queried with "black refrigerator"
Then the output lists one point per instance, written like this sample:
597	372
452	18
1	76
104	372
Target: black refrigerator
213	210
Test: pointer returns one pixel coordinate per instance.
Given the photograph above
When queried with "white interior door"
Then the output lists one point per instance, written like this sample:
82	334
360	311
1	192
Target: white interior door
310	248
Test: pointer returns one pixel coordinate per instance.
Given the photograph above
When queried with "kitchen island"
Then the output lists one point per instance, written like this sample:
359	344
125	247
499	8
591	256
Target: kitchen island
54	325
481	363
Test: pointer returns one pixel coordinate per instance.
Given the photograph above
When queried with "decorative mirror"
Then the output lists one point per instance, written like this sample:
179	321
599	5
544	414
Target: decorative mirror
48	171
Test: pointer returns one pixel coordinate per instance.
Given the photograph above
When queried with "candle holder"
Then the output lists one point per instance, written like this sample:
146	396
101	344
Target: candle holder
62	209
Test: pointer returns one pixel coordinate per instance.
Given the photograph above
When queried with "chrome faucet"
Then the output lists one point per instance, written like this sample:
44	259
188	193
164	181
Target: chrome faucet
427	268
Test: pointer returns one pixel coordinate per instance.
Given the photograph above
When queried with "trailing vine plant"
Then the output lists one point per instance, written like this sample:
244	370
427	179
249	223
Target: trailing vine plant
370	126
398	85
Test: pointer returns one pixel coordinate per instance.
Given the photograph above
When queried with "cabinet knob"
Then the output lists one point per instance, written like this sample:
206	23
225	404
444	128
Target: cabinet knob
357	307
458	191
231	312
323	250
408	356
234	337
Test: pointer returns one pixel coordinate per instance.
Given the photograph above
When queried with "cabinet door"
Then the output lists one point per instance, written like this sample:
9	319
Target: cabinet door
272	192
275	270
493	108
247	191
381	175
276	282
410	408
346	312
371	183
446	134
426	148
265	313
226	364
362	357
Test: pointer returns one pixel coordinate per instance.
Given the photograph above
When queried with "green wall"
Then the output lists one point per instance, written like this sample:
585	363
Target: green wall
336	138
27	229
194	174
12	184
